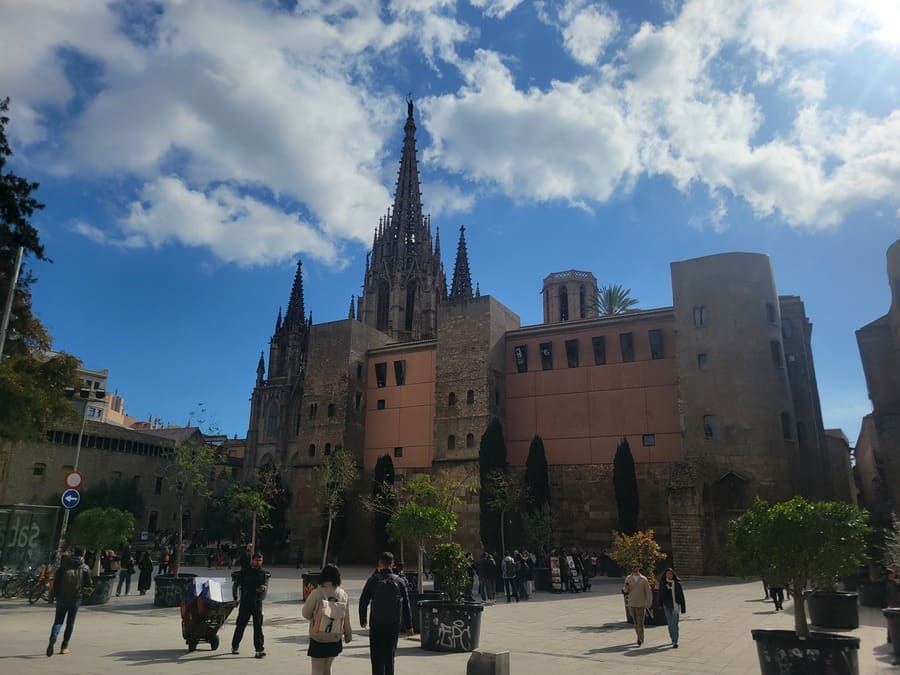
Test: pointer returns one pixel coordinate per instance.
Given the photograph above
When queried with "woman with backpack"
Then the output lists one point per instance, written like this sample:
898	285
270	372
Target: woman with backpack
329	620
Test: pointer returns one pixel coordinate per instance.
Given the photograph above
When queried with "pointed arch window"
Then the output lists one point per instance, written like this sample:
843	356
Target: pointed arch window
272	419
470	440
410	306
451	442
563	304
383	306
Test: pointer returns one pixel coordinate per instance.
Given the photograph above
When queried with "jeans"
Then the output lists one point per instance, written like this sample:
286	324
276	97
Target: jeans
245	612
65	611
672	621
383	648
511	589
777	596
523	592
483	589
126	578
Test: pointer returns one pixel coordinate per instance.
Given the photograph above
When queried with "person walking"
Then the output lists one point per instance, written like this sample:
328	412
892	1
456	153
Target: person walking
390	607
508	570
776	591
671	597
70	580
126	569
146	573
163	562
490	576
640	597
253	582
326	608
521	575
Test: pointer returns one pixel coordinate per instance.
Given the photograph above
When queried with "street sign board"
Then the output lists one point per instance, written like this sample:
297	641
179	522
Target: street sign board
74	479
70	498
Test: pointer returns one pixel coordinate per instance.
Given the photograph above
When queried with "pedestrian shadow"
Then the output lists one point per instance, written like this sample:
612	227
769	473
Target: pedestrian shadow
150	657
612	649
647	651
24	656
885	654
605	628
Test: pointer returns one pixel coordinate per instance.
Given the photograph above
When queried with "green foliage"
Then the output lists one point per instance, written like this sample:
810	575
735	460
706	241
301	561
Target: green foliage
32	393
892	544
383	491
626	488
120	493
451	570
614	299
98	529
640	546
424	513
331	480
537	476
540	530
799	543
491	457
506	496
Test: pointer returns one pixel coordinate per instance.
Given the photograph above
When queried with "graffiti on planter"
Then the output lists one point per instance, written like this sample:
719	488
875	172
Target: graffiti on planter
455	636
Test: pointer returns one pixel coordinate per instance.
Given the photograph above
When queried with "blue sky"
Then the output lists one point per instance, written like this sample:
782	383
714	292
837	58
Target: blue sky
190	152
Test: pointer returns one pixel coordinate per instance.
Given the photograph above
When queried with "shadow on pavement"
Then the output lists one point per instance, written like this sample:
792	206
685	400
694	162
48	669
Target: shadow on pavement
149	657
613	649
647	651
605	628
885	654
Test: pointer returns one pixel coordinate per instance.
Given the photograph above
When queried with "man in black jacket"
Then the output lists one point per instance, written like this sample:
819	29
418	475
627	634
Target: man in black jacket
70	580
390	604
252	582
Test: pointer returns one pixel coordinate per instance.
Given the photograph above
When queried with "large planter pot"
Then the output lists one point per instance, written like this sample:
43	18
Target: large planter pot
170	588
103	586
309	582
833	610
872	594
414	598
851	583
892	614
450	627
781	652
542	579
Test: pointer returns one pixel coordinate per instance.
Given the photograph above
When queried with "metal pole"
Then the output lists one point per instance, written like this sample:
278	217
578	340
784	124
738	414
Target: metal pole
11	294
65	523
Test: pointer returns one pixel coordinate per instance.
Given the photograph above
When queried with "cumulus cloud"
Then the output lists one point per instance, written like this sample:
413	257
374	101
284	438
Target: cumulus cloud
496	8
587	28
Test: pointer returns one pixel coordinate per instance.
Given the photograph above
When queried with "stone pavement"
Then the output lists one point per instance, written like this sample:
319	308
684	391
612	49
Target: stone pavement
549	635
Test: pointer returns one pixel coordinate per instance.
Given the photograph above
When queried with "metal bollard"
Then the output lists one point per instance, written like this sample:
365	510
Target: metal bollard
488	663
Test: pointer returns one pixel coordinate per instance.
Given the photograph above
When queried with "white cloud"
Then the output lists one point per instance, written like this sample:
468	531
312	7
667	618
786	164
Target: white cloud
496	8
443	199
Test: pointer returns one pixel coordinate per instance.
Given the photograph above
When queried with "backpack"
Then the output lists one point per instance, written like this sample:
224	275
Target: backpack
386	600
509	568
328	622
70	584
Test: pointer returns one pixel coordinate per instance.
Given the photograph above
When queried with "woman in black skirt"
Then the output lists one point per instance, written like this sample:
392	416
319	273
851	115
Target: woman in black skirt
328	611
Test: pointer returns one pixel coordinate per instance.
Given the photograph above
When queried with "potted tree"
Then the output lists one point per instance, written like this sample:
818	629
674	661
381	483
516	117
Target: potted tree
805	544
452	624
98	530
642	547
892	565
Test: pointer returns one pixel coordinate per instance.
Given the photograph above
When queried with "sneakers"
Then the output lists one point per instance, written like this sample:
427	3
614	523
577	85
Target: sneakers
50	647
260	654
674	645
234	650
64	650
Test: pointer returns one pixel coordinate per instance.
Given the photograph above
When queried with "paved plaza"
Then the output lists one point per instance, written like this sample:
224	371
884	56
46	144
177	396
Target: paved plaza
549	635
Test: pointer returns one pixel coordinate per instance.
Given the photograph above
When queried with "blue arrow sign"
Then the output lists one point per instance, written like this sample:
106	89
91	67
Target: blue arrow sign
70	498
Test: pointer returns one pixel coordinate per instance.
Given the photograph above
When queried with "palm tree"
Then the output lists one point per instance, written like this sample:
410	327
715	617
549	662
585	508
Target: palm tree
614	299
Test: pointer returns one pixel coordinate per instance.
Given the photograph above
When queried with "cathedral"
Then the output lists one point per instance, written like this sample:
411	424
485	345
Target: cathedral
716	393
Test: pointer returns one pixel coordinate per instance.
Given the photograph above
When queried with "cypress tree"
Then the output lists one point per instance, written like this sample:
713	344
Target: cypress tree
625	484
537	477
491	457
383	490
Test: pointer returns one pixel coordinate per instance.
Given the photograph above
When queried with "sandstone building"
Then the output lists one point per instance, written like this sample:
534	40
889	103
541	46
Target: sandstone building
716	394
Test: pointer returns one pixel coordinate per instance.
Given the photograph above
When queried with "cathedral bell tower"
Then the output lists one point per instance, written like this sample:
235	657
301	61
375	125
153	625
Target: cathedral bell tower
404	280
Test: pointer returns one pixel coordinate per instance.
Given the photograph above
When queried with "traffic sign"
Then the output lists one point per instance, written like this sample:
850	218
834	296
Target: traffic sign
70	498
74	479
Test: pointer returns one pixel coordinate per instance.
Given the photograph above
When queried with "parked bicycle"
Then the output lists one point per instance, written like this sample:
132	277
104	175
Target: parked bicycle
42	588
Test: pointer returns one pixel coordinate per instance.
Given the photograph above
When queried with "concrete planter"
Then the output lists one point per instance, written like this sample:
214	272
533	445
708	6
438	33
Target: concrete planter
450	627
833	610
103	586
170	588
783	652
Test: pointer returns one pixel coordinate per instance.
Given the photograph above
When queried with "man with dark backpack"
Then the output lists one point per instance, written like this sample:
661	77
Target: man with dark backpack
72	577
390	605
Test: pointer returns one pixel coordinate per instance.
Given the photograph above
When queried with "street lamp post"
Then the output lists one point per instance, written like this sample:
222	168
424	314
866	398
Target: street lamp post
85	395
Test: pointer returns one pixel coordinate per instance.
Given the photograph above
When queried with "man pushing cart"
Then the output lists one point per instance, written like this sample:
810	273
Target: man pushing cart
204	609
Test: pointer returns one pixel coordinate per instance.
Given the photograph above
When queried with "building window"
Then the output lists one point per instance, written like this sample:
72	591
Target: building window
801	435
598	342
39	469
312	449
313	409
786	432
358	401
379	404
710	428
398	452
400	372
521	353
157	488
770	312
470	397
648	440
563	304
451	399
331	409
777	359
572	353
547	355
787	328
381	374
656	344
359	371
699	316
701	361
470	440
626	343
582	301
451	442
151	522
327	450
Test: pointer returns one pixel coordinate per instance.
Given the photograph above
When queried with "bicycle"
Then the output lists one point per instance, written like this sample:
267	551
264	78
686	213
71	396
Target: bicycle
19	583
42	588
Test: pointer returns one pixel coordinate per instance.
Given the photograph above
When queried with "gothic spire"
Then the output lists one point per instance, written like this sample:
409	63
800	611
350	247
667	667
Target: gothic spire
260	369
295	310
462	280
351	313
406	217
278	321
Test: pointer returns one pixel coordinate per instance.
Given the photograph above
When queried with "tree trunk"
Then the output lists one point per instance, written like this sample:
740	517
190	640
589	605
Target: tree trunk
800	624
253	534
420	563
96	566
502	533
179	543
327	540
